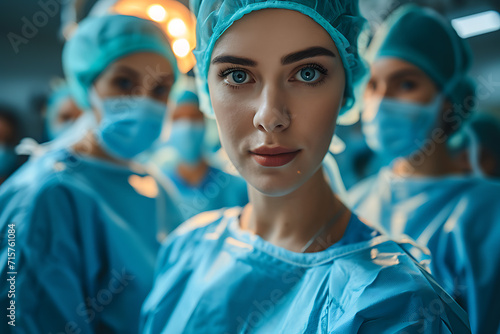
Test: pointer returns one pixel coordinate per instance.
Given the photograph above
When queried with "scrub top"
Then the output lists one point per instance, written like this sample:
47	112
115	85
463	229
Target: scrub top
213	277
458	219
86	240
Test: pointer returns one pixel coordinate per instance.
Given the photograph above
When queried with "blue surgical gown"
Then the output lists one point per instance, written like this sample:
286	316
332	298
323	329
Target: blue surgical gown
217	190
85	244
457	219
213	277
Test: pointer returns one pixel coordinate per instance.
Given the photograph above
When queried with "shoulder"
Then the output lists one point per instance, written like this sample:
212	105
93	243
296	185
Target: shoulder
39	175
383	287
476	208
45	191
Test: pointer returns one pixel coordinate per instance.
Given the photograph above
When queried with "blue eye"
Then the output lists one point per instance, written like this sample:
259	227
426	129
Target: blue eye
308	74
239	77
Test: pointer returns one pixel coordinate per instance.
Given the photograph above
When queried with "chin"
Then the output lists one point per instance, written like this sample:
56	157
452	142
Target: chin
273	186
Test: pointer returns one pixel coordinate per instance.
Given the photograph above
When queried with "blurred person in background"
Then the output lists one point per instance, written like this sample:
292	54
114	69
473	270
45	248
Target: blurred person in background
418	96
199	186
88	221
10	134
61	112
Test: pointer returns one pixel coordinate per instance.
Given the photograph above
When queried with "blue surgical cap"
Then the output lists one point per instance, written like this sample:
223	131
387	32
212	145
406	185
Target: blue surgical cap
188	97
58	95
340	18
427	40
101	40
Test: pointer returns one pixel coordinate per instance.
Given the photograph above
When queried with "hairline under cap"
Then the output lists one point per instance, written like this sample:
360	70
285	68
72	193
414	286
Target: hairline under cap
340	41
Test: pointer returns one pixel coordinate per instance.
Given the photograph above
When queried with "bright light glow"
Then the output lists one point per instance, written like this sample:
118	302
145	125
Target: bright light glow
181	47
477	24
157	13
177	28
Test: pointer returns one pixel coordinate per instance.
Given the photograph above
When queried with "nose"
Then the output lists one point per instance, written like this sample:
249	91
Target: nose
140	91
272	114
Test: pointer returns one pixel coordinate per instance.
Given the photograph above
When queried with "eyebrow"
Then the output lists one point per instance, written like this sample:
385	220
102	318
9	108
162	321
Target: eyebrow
122	68
286	60
407	72
135	74
307	53
234	60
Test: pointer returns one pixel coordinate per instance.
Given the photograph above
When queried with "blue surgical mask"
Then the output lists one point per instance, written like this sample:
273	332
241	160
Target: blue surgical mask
400	128
129	124
187	139
8	160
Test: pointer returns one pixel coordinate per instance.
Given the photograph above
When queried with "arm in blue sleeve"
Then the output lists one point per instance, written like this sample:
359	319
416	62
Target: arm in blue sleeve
51	277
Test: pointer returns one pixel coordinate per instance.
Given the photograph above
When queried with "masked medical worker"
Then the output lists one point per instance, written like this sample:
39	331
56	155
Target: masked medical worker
294	260
80	225
416	99
61	112
199	186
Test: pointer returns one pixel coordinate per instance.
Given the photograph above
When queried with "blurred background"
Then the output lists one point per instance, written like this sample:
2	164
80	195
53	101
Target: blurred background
33	33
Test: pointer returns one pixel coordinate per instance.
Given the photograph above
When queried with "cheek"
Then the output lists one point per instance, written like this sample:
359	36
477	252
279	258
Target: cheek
318	111
233	120
316	125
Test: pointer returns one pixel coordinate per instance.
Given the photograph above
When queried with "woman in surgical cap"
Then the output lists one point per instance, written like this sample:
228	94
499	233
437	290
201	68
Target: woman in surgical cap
61	112
417	97
83	222
294	260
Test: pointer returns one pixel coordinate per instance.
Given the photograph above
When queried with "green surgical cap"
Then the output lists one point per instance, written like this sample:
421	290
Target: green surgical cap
427	40
101	40
340	18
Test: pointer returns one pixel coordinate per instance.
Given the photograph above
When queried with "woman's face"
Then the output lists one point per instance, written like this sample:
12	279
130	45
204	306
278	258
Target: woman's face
396	79
144	74
276	84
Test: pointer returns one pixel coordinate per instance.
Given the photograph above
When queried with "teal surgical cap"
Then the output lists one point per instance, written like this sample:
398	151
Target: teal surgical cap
101	40
187	97
427	40
340	18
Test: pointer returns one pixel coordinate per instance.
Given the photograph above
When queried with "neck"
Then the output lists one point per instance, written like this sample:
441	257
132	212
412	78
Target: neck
290	221
436	163
89	146
193	175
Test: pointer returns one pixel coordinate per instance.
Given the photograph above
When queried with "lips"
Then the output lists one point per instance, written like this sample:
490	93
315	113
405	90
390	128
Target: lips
273	156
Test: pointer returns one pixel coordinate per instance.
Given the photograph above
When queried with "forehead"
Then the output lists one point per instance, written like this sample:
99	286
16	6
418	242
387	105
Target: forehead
270	30
391	66
148	62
